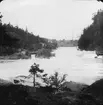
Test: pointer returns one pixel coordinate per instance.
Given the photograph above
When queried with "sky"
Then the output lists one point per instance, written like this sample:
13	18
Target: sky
54	19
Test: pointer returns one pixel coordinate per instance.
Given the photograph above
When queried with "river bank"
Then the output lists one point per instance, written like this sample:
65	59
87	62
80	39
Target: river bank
25	95
40	53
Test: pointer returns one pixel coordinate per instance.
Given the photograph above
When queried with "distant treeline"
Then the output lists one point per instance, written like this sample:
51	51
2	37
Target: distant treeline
13	38
92	36
67	43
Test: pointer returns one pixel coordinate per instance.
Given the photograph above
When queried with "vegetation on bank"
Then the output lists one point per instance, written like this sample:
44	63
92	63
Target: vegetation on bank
67	43
92	36
100	0
44	53
15	40
24	95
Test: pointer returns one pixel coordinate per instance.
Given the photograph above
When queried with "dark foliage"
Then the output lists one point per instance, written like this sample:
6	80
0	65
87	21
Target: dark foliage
1	0
14	38
13	94
100	0
25	95
47	89
92	36
7	42
26	40
44	53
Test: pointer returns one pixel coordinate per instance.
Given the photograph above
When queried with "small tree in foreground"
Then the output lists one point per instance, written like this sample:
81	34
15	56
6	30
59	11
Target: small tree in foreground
34	70
55	80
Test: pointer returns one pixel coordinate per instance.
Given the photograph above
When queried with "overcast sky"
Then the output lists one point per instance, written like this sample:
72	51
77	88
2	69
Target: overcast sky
60	19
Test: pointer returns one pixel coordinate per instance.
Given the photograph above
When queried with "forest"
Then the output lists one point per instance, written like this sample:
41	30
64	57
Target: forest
67	43
92	36
13	39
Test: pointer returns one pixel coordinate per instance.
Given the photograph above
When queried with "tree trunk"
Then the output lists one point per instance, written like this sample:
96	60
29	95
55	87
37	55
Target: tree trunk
34	84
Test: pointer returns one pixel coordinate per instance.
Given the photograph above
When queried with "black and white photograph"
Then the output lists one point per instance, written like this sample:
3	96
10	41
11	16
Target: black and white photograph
51	52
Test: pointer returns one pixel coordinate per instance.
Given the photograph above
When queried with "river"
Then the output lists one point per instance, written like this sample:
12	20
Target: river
81	66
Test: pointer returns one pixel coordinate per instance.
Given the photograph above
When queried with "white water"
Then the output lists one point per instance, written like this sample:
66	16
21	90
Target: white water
80	66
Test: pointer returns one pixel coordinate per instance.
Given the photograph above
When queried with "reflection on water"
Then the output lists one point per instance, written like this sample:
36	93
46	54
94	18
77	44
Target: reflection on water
80	66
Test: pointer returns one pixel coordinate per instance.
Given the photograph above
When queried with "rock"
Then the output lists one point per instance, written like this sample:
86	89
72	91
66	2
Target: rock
73	86
96	89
